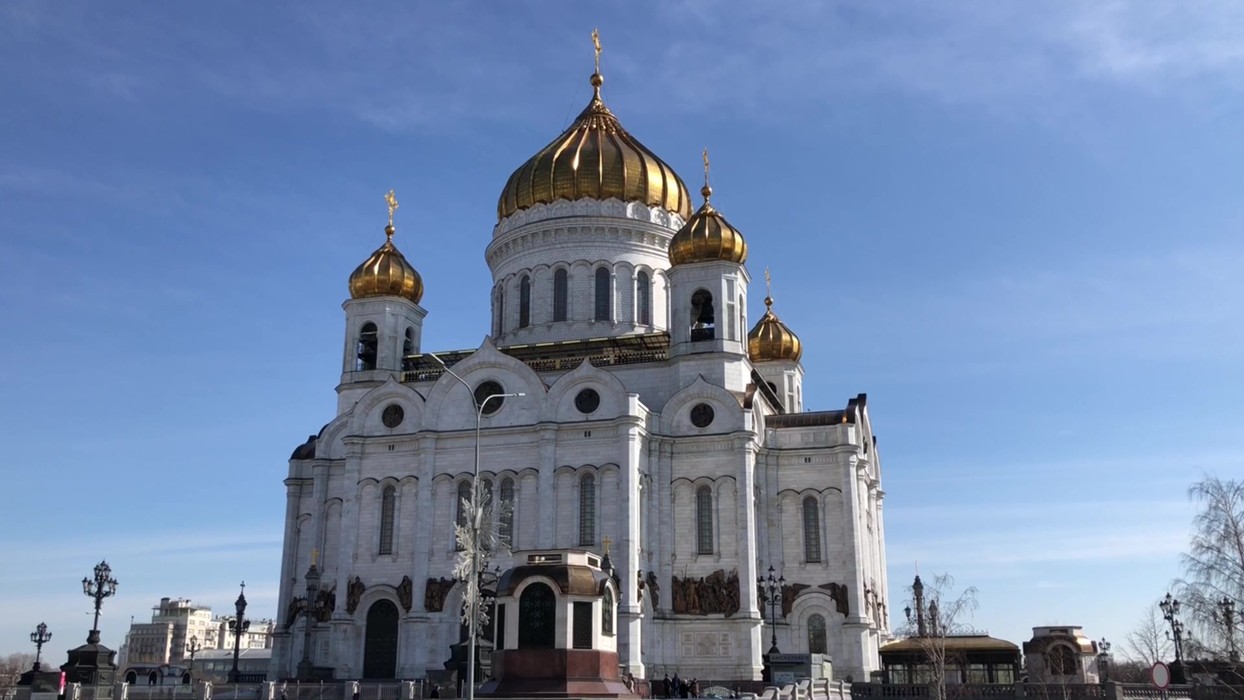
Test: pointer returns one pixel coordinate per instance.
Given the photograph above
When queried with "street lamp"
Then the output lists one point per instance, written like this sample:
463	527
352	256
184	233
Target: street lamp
1170	613
40	636
1103	660
477	514
305	668
238	625
771	594
100	587
193	647
1226	608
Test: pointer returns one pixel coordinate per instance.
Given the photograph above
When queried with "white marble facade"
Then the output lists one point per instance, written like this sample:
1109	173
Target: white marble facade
681	494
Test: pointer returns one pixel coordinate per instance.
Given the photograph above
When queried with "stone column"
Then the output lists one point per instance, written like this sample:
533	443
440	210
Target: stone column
748	552
545	490
425	468
855	628
282	664
629	611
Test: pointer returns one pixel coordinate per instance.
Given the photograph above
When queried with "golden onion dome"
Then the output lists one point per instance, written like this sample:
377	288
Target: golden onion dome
707	236
594	159
770	339
386	273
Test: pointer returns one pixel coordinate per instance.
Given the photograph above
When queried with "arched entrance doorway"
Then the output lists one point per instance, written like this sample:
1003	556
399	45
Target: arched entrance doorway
380	641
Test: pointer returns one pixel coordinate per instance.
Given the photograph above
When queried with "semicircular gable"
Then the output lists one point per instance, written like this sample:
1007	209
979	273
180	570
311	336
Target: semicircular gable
366	416
450	408
561	406
727	412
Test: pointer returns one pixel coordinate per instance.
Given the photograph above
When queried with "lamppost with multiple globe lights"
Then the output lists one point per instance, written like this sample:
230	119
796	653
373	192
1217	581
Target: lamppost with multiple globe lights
103	585
1103	660
477	514
1225	613
237	626
40	636
771	595
1170	612
193	647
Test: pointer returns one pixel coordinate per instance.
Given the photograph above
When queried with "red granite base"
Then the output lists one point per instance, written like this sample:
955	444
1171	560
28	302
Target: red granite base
555	673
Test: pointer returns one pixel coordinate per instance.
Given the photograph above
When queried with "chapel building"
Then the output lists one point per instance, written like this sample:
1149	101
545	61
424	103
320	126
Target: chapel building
655	425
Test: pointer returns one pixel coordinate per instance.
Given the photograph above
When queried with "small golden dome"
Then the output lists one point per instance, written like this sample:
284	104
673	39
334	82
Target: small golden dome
594	159
386	273
707	236
770	339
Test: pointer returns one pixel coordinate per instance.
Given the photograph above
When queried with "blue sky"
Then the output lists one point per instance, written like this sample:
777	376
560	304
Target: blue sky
1016	227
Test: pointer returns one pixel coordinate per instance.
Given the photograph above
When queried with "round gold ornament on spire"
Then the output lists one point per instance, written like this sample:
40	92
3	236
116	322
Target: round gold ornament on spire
707	235
770	339
387	272
595	158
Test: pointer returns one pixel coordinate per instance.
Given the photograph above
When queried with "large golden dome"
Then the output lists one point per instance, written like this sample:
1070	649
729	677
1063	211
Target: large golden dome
770	339
594	159
707	236
386	273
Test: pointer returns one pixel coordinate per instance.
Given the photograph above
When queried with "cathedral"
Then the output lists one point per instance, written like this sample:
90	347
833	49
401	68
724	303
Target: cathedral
621	405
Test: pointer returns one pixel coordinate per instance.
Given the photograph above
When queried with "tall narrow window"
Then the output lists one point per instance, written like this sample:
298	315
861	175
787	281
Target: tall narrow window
560	294
604	300
367	345
524	302
537	617
703	320
587	511
704	520
817	641
507	511
731	316
464	502
408	348
500	309
606	613
643	299
811	531
388	503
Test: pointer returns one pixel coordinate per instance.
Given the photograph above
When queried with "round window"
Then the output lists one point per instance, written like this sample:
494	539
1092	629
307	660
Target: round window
486	389
701	415
587	401
392	416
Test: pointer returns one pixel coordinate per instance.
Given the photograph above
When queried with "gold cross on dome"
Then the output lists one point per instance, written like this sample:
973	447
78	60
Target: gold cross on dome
706	166
606	542
768	283
391	200
596	45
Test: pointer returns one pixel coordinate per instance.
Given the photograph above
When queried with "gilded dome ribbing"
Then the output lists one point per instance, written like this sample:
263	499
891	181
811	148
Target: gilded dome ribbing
707	236
386	273
770	339
594	159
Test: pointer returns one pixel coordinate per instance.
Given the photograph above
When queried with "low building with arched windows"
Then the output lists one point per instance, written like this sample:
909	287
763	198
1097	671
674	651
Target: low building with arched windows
620	396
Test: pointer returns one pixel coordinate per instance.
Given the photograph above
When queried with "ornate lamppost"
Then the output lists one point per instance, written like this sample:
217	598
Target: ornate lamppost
1226	614
473	575
771	595
237	626
1103	660
305	668
40	636
193	647
1170	612
100	587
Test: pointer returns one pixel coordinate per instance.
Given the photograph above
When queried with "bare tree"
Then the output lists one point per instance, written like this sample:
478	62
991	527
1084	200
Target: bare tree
936	613
1214	565
13	666
1147	642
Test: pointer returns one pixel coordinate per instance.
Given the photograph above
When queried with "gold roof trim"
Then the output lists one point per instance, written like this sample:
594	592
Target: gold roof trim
595	158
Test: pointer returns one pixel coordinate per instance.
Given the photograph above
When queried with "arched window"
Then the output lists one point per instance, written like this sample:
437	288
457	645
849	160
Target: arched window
606	613
388	504
507	510
500	309
408	348
560	294
587	510
811	531
703	324
464	502
604	300
524	302
704	520
366	351
643	299
1061	660
537	617
817	641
